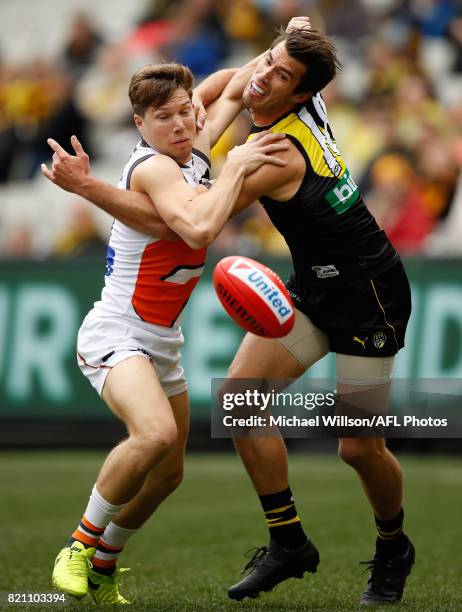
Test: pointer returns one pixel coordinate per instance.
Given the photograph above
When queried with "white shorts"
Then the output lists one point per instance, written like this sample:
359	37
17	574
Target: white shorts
105	341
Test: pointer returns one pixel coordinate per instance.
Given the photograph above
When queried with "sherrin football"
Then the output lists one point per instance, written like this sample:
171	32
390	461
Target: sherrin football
254	297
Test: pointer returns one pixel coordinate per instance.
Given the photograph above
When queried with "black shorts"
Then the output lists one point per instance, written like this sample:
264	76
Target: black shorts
365	318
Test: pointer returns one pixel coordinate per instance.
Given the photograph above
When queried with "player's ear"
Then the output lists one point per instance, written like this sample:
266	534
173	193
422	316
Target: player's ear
138	122
302	97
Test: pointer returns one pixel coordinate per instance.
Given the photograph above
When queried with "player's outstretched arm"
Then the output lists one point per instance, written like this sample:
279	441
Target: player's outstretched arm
223	107
222	111
212	87
72	173
207	92
199	218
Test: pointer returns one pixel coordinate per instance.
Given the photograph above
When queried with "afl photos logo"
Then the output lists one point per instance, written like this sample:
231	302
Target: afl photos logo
379	339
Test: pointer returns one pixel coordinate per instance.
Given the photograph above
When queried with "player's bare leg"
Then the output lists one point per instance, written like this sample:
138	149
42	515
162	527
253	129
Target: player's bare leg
133	392
165	477
160	482
289	554
379	472
381	478
265	459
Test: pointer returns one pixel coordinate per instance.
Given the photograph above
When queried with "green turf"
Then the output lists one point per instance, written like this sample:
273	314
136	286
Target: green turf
193	548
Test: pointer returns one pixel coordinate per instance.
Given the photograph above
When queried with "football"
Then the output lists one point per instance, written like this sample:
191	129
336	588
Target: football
254	297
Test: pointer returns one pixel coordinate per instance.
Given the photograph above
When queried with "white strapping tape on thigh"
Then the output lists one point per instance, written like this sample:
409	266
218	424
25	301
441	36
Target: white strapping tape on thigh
352	370
305	342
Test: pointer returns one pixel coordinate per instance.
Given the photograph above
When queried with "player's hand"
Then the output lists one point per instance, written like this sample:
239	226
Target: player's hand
69	172
199	111
258	151
299	23
200	189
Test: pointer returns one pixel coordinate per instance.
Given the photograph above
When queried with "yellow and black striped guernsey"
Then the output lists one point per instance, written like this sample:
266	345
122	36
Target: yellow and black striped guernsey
329	231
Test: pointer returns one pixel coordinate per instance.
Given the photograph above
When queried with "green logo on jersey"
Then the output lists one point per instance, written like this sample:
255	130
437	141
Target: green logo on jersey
344	194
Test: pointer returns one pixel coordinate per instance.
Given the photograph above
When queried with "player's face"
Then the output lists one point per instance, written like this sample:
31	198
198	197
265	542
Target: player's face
170	128
271	88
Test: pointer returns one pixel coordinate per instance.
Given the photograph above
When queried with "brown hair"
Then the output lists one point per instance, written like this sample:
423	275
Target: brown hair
316	52
154	84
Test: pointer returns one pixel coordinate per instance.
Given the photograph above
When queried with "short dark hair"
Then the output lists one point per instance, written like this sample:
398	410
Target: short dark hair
316	52
154	84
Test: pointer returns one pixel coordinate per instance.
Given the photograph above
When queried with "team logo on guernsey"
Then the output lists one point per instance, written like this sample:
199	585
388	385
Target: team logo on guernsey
261	283
379	339
344	194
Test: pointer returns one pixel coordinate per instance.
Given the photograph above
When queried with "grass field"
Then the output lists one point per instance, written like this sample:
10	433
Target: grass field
192	549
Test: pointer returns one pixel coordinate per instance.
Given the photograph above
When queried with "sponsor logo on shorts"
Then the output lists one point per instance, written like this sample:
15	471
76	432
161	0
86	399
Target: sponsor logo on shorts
262	284
379	339
360	341
344	194
325	271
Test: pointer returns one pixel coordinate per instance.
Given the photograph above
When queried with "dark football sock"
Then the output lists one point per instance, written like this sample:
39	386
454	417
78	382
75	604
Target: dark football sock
391	537
282	519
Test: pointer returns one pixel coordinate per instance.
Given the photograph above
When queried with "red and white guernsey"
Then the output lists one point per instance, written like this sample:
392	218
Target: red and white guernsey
148	280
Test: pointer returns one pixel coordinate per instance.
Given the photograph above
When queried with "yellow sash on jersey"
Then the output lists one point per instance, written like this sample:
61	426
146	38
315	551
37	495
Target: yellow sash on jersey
320	148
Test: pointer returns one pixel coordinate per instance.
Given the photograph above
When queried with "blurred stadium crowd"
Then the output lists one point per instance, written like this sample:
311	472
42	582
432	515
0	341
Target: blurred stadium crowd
396	112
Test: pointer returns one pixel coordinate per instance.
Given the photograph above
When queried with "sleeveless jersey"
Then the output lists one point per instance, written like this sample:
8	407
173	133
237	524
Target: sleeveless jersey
328	229
148	281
